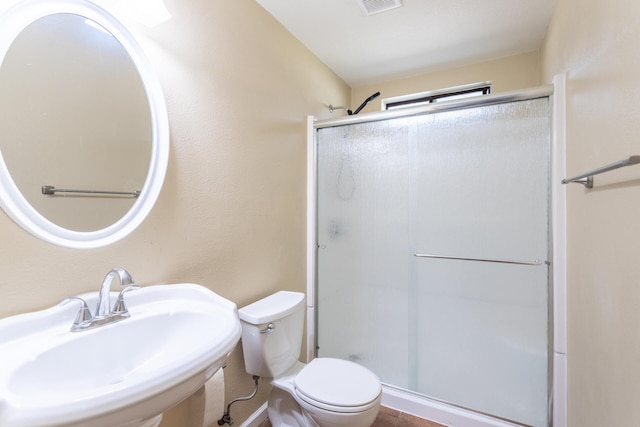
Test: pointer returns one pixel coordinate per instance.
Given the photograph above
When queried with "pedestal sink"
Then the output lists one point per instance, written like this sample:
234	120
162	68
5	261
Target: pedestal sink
120	374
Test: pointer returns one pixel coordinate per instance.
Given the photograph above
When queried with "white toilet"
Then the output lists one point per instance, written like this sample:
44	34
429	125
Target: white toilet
326	392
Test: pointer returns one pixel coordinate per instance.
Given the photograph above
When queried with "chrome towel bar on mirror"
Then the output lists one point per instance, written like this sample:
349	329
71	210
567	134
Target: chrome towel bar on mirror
586	179
500	261
51	191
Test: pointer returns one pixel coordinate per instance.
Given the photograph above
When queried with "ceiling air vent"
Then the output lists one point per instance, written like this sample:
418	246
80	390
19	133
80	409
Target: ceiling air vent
371	7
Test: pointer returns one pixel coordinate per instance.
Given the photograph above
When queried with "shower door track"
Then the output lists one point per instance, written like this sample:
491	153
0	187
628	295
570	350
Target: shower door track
438	107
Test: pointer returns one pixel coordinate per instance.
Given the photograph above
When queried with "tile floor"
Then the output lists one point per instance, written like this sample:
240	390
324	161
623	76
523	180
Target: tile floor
388	417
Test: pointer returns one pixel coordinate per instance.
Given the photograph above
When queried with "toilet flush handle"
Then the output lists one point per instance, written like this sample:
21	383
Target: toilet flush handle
270	328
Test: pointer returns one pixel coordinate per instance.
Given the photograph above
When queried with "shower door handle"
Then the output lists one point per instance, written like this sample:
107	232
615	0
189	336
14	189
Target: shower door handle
500	261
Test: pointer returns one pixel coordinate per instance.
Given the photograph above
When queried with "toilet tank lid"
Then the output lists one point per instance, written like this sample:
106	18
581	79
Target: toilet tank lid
271	308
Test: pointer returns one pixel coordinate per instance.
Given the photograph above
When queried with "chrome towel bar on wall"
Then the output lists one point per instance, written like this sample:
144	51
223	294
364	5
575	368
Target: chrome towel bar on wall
586	179
51	191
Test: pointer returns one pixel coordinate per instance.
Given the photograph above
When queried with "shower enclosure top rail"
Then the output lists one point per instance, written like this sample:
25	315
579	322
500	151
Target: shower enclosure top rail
586	179
500	261
498	98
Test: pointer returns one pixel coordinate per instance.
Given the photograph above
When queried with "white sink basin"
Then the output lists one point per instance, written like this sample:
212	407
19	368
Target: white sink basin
177	337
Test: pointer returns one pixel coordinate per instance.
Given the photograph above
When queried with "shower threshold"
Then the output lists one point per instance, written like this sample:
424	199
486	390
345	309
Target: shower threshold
440	412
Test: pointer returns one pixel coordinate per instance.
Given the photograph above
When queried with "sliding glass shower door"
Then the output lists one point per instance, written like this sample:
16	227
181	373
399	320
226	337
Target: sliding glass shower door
433	242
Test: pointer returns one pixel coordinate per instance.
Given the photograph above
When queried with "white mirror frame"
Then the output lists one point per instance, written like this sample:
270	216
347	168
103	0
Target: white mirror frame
12	21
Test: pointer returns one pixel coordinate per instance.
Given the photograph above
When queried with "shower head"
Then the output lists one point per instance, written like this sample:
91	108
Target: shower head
332	108
366	101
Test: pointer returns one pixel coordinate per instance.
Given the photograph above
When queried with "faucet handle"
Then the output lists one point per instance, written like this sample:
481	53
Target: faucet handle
83	316
119	307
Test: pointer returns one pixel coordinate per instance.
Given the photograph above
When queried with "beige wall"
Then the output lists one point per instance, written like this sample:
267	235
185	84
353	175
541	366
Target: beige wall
596	43
231	215
511	73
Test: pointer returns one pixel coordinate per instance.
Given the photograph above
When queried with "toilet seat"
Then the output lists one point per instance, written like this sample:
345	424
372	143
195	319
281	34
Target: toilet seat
337	385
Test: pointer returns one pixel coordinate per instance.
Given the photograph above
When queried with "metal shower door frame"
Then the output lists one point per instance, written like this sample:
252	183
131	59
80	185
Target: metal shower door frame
557	166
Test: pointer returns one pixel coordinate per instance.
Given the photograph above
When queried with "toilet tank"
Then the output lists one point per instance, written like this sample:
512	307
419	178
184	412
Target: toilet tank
272	333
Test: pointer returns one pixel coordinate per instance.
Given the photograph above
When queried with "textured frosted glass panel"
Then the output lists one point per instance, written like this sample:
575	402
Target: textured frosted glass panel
363	184
481	191
483	338
481	179
473	184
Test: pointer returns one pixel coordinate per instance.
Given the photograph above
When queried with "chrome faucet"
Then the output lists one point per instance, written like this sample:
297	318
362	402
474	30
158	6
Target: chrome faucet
103	308
103	314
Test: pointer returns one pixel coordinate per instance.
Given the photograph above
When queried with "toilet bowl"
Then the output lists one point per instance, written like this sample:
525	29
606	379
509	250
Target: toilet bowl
326	392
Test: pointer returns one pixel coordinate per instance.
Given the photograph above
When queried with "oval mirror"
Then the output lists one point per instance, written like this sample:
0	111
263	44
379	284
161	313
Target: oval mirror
84	140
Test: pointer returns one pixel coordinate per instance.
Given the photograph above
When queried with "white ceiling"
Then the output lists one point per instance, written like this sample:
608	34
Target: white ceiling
421	36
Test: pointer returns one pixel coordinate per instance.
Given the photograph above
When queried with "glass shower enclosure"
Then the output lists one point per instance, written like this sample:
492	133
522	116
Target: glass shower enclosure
433	249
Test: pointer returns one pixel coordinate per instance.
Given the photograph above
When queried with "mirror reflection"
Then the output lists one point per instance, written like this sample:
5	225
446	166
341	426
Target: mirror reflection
74	114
